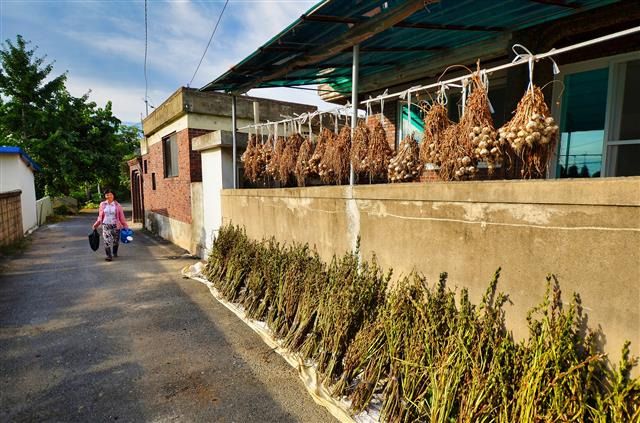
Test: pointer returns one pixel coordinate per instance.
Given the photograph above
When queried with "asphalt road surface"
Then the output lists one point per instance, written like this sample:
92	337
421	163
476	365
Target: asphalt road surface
82	339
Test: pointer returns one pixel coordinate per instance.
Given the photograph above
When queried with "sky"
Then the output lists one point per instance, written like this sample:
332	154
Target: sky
100	43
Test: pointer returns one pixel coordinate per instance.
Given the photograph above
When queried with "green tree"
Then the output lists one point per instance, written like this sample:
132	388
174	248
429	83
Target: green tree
23	81
76	142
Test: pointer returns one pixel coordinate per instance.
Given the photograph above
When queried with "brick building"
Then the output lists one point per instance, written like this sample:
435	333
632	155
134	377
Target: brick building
166	180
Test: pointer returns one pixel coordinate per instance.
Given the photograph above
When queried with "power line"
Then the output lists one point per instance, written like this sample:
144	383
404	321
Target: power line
210	38
146	82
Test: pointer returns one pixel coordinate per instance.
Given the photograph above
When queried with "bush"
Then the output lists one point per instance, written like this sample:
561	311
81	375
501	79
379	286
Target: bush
62	210
424	355
80	196
91	205
96	198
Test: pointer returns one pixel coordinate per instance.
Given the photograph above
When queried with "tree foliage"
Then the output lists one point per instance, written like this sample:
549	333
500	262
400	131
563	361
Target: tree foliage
76	142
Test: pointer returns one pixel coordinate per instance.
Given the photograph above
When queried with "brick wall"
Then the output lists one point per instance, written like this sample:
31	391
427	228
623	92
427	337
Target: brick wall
10	217
172	196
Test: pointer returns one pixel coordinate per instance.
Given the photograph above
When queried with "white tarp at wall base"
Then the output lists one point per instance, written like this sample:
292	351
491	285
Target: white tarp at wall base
306	371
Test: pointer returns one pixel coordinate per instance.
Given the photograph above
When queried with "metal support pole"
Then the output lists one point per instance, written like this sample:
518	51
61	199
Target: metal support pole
234	127
354	102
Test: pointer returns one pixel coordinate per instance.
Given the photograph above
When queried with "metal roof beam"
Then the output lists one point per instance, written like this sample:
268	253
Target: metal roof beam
413	25
353	36
571	5
362	49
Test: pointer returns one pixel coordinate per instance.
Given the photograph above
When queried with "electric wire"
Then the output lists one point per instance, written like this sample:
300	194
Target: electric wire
146	82
210	38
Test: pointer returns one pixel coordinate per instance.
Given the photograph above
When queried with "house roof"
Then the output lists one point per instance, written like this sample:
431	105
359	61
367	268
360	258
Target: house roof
24	156
317	47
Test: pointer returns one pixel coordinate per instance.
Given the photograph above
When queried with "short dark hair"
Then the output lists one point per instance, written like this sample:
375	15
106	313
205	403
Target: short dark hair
107	191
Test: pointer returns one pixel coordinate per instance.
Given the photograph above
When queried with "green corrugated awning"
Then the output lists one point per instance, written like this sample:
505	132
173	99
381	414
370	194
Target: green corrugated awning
316	48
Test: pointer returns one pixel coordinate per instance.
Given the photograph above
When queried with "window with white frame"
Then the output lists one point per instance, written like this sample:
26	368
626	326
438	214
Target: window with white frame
599	119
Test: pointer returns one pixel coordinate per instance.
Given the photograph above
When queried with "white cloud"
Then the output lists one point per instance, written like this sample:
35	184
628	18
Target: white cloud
128	101
178	34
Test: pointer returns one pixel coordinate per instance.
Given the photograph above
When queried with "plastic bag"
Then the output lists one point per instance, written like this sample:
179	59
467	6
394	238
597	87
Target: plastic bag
94	240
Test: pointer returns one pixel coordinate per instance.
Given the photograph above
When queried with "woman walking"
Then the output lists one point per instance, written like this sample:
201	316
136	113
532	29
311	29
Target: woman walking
112	218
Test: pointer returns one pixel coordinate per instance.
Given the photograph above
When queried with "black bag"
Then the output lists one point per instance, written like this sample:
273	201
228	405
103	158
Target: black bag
94	240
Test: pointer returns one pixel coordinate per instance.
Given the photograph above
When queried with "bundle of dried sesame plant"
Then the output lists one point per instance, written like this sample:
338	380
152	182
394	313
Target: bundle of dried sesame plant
335	161
289	157
359	148
379	153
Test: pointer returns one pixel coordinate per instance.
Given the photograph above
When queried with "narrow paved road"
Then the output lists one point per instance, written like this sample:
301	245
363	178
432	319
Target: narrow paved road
82	339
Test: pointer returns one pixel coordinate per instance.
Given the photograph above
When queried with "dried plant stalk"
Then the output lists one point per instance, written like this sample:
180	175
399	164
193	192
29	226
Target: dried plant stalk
289	157
318	153
334	166
405	166
435	122
273	165
254	159
303	167
359	148
531	135
379	153
264	153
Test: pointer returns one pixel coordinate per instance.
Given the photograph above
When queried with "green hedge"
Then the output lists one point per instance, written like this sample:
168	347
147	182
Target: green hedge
424	354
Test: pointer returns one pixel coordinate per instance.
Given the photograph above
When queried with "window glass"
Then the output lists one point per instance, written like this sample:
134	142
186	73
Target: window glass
625	159
630	117
498	99
170	153
582	124
412	123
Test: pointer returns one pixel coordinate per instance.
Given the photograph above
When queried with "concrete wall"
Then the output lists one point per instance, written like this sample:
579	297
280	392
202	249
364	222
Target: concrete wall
198	238
14	175
587	232
217	174
191	101
44	209
170	229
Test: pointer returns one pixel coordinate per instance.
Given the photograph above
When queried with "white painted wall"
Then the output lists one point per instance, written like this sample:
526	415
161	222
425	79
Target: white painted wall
217	173
15	174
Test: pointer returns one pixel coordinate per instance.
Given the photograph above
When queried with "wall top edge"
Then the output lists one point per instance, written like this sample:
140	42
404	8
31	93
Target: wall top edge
620	191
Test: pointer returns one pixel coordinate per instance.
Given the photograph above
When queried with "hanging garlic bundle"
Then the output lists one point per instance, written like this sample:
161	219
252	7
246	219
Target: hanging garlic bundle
379	152
472	139
265	151
250	159
479	126
532	134
273	165
289	157
435	122
405	166
318	153
303	166
359	148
